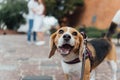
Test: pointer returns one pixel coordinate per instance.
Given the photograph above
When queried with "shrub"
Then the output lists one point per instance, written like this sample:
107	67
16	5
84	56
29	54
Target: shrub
11	13
93	32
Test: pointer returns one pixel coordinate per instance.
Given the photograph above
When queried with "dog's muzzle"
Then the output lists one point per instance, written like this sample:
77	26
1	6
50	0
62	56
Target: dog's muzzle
65	49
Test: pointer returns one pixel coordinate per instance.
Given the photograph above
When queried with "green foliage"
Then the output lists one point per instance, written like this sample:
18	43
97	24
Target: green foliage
11	10
60	8
93	32
11	13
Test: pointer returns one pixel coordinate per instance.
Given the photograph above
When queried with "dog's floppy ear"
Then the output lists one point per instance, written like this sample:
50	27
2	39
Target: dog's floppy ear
52	45
82	37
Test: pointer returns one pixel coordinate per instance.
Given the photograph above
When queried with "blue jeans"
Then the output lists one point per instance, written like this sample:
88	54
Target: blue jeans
30	31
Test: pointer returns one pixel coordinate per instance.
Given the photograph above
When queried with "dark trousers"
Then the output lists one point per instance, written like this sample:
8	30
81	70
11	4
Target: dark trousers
29	34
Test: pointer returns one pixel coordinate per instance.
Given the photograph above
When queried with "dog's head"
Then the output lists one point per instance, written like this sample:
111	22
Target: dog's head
66	40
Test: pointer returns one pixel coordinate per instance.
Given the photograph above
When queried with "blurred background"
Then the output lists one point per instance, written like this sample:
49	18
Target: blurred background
21	61
93	14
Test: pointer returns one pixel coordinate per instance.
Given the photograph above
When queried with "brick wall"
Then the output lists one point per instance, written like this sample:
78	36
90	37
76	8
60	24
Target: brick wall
99	13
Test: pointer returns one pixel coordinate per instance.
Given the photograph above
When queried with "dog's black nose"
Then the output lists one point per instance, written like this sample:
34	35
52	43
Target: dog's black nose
66	37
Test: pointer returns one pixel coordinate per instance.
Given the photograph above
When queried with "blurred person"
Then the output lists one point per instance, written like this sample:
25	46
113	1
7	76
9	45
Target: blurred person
31	5
38	22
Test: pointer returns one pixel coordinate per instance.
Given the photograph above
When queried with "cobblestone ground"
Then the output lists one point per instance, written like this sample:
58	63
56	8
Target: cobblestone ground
18	59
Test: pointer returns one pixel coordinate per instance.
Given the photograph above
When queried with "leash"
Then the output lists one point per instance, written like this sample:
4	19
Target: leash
84	56
83	66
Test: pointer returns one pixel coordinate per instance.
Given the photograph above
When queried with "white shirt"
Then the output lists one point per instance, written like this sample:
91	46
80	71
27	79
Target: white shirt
39	9
31	5
38	18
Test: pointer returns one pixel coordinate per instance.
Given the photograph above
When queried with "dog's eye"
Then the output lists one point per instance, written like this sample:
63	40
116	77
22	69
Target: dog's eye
61	31
74	33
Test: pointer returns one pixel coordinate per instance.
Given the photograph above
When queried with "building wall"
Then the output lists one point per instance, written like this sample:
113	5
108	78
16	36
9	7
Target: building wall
101	10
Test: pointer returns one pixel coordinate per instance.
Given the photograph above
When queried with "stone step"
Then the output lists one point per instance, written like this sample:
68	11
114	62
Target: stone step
38	78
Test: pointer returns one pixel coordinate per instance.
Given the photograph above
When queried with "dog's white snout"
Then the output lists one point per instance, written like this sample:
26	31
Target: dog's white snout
66	37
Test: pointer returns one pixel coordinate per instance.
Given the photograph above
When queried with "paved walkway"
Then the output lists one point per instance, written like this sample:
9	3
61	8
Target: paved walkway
18	59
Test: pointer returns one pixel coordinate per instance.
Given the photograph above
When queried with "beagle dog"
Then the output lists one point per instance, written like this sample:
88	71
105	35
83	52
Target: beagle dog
70	45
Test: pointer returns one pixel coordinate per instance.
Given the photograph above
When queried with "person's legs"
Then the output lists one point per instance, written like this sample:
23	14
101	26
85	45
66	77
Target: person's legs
34	36
40	36
30	30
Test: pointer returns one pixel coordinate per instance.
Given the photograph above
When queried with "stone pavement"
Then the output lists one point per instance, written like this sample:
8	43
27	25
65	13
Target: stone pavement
19	60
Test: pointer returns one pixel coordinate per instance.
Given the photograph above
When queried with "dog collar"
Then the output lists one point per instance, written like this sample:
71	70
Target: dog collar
77	60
